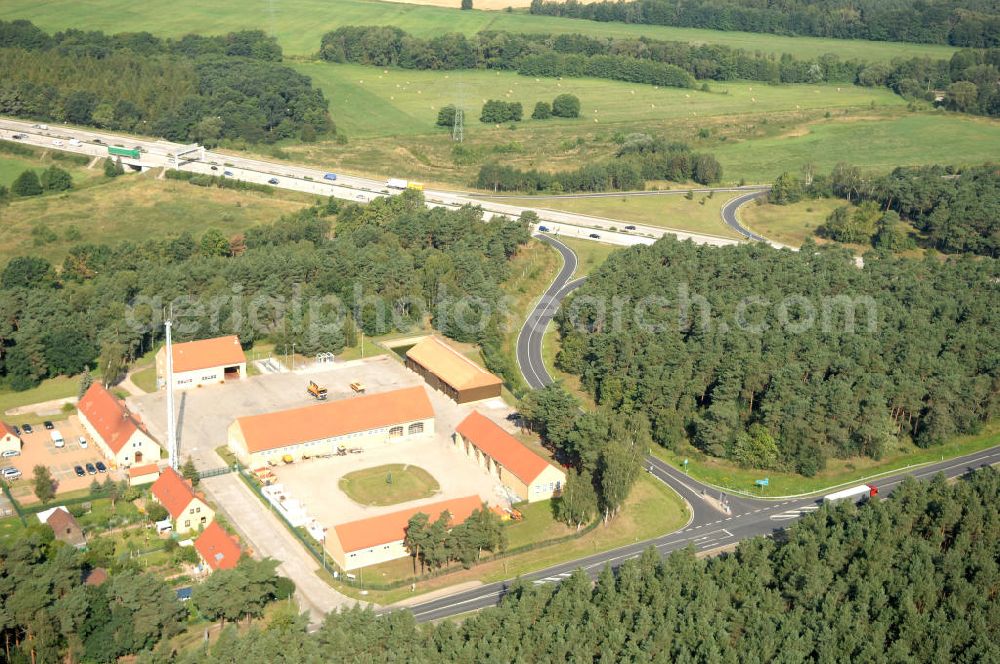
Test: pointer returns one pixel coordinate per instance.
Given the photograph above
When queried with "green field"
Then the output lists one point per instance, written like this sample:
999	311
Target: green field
388	485
372	101
11	167
701	214
877	144
788	224
134	207
299	24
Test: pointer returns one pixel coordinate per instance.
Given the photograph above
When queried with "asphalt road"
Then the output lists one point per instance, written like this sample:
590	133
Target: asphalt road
716	519
729	215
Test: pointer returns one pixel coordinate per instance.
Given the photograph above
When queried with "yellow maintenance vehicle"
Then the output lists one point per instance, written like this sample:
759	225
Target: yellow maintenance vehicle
316	392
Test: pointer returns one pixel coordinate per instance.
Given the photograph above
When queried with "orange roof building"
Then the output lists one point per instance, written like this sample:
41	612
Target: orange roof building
447	370
187	509
9	439
118	432
217	548
380	538
526	474
355	422
147	474
204	362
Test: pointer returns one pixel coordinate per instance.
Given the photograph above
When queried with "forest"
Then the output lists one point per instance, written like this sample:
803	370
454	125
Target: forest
910	578
969	80
203	89
639	157
782	359
954	210
972	23
382	267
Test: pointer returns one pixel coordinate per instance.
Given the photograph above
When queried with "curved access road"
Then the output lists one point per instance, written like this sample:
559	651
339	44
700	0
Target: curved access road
729	215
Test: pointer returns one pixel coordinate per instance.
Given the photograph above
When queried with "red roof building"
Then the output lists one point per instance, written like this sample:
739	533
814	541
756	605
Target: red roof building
203	362
186	508
119	433
525	473
218	548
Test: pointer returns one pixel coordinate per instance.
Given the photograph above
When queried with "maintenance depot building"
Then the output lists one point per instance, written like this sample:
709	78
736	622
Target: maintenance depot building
362	421
448	371
205	362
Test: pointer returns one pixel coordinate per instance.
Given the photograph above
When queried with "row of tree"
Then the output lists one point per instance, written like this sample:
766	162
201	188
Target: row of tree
830	360
954	210
29	183
436	543
974	23
391	265
190	94
640	158
909	579
970	79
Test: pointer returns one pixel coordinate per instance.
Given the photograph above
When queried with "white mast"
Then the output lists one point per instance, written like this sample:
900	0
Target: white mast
171	434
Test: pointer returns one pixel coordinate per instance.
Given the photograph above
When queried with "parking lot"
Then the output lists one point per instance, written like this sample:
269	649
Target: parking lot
38	449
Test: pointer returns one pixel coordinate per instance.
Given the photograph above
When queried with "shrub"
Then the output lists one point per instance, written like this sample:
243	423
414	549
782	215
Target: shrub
26	184
566	106
543	111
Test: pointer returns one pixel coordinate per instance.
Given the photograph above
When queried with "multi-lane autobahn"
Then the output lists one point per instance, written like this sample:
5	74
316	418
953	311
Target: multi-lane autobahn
195	159
717	519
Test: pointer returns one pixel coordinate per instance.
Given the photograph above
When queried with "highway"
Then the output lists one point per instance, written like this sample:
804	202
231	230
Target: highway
195	159
716	519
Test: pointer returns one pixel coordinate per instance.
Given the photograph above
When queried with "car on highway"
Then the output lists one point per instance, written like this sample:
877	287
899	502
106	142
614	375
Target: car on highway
594	236
10	473
98	141
543	229
48	425
273	181
58	143
27	428
630	227
101	468
75	142
228	174
17	137
91	470
330	176
10	453
80	472
214	168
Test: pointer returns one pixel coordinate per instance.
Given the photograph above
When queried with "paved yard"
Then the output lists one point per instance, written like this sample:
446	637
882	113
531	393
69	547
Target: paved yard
269	538
38	449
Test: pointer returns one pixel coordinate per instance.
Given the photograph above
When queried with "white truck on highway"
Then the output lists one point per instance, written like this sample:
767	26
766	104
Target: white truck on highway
396	183
853	494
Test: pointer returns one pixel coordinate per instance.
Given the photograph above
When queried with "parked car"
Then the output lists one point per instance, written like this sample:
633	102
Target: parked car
48	425
10	473
101	468
594	236
630	227
17	430
83	442
91	470
10	453
228	174
273	181
27	428
543	229
80	472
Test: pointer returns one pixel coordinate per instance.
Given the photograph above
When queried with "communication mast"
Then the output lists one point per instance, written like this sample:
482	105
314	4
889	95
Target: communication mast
171	433
458	127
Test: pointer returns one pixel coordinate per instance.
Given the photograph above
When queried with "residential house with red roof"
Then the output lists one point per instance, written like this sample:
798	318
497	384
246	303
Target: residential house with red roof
217	548
64	526
380	538
525	473
146	474
204	362
355	422
188	509
9	440
120	434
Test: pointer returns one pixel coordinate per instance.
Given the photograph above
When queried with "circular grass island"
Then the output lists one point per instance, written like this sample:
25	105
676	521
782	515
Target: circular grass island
389	484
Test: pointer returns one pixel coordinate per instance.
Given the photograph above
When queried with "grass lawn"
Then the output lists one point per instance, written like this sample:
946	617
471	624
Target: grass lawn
389	484
651	510
11	529
721	473
145	379
590	255
702	214
539	523
364	348
789	224
879	144
12	166
59	387
134	208
299	24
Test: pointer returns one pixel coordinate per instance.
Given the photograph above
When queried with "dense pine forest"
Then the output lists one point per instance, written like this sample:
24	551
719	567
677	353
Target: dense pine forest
908	579
386	267
974	23
969	79
197	88
781	359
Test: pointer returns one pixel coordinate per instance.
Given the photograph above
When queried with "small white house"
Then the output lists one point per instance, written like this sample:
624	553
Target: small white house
205	362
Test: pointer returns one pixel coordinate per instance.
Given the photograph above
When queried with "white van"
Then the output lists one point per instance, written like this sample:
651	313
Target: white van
75	142
58	143
57	438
